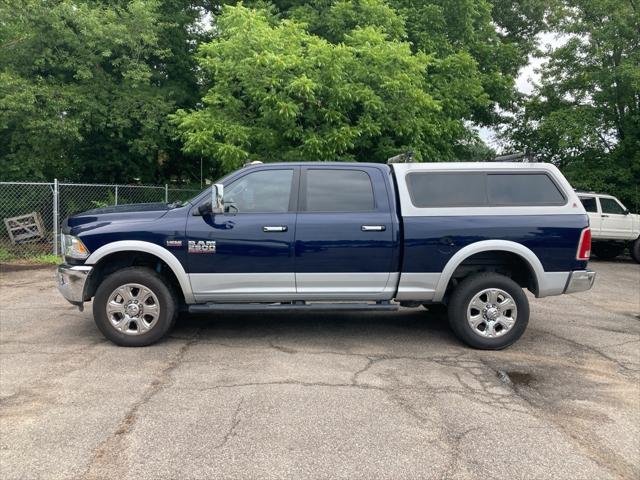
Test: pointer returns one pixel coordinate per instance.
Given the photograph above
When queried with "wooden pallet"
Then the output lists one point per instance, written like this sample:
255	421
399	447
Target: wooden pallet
25	228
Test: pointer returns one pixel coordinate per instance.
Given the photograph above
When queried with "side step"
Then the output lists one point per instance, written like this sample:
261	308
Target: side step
292	307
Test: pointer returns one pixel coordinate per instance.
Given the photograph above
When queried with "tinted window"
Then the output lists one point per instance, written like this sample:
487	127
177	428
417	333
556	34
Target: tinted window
523	189
589	204
447	189
477	189
609	205
266	191
339	191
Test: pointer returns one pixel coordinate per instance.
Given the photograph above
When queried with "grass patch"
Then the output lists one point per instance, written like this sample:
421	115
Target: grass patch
7	256
45	259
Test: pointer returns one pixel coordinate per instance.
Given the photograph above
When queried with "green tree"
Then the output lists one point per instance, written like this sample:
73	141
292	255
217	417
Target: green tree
86	87
585	114
279	92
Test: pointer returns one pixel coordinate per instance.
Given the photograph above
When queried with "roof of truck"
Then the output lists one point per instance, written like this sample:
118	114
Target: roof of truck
421	165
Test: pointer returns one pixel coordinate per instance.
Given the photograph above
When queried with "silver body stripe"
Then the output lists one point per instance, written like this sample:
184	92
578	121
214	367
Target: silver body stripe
280	287
211	284
344	282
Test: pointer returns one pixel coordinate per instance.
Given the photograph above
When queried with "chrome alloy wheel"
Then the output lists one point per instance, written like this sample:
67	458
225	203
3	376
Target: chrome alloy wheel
133	309
492	313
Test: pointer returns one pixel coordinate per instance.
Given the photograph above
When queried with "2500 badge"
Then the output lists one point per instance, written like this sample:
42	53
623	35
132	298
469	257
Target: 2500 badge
201	246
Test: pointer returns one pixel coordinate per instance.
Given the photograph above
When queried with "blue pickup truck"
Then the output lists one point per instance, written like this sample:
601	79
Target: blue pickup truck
336	236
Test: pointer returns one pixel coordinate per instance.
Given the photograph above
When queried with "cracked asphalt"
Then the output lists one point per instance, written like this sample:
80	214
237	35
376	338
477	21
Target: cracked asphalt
328	395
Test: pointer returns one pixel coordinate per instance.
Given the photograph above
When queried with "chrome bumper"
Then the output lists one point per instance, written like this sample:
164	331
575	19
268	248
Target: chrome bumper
579	281
71	282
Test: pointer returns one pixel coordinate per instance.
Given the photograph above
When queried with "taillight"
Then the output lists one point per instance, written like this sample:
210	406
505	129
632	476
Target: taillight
584	247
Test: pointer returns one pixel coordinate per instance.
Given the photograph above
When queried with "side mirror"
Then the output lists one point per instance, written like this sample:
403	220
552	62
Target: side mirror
217	198
216	204
625	212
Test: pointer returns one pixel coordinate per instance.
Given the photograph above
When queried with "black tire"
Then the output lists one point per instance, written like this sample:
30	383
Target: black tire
634	249
606	251
152	281
467	290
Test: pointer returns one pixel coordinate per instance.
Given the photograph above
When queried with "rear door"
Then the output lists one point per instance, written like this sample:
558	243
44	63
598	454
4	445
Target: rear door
616	221
345	242
590	204
246	253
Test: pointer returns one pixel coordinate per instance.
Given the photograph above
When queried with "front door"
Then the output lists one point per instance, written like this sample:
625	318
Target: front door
616	221
246	253
345	241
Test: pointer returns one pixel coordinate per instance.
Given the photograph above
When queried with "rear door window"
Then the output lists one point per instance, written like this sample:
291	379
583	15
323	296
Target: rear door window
589	204
338	190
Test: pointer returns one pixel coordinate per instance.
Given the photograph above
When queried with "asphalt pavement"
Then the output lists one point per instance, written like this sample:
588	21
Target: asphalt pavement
327	395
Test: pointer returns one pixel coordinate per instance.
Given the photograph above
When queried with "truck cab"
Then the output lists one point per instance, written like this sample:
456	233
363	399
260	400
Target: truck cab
337	236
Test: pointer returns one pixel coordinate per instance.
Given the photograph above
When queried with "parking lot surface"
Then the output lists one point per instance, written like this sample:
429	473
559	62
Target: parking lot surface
330	395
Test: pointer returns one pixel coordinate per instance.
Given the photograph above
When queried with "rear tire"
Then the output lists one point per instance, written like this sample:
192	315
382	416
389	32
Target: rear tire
634	248
134	307
607	251
488	311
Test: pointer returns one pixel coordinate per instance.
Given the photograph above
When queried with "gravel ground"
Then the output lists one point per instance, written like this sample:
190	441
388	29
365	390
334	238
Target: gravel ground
331	395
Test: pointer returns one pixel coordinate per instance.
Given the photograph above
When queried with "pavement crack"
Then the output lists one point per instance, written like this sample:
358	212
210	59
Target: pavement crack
106	456
456	451
581	346
370	362
231	432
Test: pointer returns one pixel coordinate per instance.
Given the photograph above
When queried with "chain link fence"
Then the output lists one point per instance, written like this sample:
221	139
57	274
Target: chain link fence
32	213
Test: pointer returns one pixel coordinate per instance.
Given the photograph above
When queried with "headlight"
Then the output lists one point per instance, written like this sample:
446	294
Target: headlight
73	247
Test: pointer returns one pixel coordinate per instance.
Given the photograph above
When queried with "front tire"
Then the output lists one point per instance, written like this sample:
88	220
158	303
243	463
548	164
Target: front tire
488	311
134	307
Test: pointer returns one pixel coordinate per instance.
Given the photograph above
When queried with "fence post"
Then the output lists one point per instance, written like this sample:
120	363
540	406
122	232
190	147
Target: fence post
116	194
56	198
166	193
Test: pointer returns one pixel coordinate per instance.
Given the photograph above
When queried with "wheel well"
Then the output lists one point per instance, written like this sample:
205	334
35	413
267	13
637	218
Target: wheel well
119	260
509	264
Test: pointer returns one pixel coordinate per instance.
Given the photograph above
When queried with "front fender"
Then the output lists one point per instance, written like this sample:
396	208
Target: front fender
153	249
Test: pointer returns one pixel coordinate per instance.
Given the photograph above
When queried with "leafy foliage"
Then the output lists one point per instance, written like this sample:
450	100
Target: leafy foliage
86	87
585	114
334	83
113	90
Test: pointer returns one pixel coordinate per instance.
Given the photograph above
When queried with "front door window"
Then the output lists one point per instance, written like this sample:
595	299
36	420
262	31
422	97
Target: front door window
266	191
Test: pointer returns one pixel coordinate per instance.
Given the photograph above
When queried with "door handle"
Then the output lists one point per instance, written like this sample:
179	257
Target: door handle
279	228
373	228
604	216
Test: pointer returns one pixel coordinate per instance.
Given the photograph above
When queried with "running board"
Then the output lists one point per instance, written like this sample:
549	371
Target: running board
293	307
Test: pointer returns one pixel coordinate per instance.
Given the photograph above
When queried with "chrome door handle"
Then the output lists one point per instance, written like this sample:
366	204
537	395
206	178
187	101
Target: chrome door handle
281	228
373	228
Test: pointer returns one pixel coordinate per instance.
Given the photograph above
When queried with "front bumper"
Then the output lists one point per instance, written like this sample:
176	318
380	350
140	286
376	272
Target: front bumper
580	281
71	282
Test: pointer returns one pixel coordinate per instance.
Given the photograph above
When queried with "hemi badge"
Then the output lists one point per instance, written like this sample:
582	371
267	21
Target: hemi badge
174	243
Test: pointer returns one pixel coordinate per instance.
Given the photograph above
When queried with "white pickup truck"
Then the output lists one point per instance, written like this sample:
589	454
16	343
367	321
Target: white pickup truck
613	227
